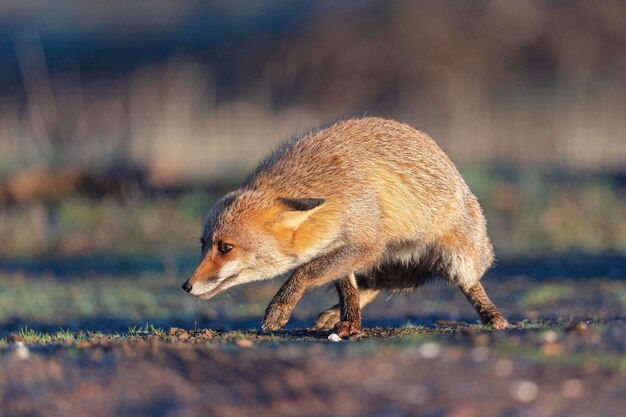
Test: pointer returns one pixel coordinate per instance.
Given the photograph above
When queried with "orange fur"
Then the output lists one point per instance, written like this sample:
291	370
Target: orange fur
368	198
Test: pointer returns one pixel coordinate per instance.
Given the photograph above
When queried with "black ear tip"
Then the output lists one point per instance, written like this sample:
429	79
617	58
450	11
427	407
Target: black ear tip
301	204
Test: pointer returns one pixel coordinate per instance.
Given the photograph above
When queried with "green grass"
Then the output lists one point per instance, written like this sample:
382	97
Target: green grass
30	336
146	330
544	294
132	298
77	225
529	212
64	336
409	325
532	325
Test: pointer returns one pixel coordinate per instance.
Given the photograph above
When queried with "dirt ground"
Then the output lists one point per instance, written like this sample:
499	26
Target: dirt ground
568	370
422	353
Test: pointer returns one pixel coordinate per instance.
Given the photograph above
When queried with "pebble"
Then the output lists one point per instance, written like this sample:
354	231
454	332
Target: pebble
480	354
580	328
334	337
550	336
481	339
572	388
20	351
524	391
184	336
504	368
552	349
430	350
296	379
244	343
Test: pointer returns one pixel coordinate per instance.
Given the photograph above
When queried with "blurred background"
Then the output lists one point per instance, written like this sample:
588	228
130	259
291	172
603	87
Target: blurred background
122	122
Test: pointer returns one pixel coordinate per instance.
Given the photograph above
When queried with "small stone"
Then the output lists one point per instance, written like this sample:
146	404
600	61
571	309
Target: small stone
572	388
480	354
550	336
524	391
296	379
334	337
430	350
552	349
580	328
467	331
244	343
20	351
481	339
503	368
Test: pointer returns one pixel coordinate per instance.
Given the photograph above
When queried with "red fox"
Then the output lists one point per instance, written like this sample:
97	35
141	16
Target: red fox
368	204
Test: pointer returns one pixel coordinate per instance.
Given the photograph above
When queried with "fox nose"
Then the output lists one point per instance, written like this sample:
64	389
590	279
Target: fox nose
187	286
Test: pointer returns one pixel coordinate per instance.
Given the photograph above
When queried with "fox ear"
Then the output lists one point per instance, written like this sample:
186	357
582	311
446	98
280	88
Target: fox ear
301	204
297	210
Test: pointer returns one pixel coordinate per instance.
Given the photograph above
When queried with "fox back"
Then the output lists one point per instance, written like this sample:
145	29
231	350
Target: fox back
376	183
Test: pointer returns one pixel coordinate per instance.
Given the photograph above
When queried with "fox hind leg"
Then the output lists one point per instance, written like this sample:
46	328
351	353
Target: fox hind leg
463	262
349	307
488	312
331	316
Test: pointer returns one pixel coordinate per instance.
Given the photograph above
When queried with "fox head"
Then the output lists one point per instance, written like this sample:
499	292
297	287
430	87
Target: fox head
251	235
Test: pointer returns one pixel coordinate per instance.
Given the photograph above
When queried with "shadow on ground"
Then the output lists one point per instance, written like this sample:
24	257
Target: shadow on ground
571	265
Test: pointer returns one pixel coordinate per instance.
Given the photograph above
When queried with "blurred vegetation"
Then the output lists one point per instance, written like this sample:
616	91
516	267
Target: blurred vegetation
533	212
113	303
546	294
202	90
101	107
528	213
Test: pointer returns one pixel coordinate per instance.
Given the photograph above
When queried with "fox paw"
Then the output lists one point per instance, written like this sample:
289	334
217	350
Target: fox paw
326	320
345	329
497	322
276	317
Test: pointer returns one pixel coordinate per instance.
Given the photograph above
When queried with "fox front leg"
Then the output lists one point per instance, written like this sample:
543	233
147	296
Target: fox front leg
280	308
326	268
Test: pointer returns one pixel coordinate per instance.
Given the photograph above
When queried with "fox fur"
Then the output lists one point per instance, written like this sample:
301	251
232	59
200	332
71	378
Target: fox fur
367	203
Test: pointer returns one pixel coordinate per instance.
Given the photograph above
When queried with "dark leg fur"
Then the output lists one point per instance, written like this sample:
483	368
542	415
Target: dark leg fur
488	312
339	263
328	318
350	323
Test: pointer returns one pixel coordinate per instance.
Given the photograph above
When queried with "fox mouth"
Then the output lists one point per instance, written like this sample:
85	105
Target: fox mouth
221	286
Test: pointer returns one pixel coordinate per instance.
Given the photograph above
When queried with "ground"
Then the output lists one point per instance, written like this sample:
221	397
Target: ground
87	349
93	321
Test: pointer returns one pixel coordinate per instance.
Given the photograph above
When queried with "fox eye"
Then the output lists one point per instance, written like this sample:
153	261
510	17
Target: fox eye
224	248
